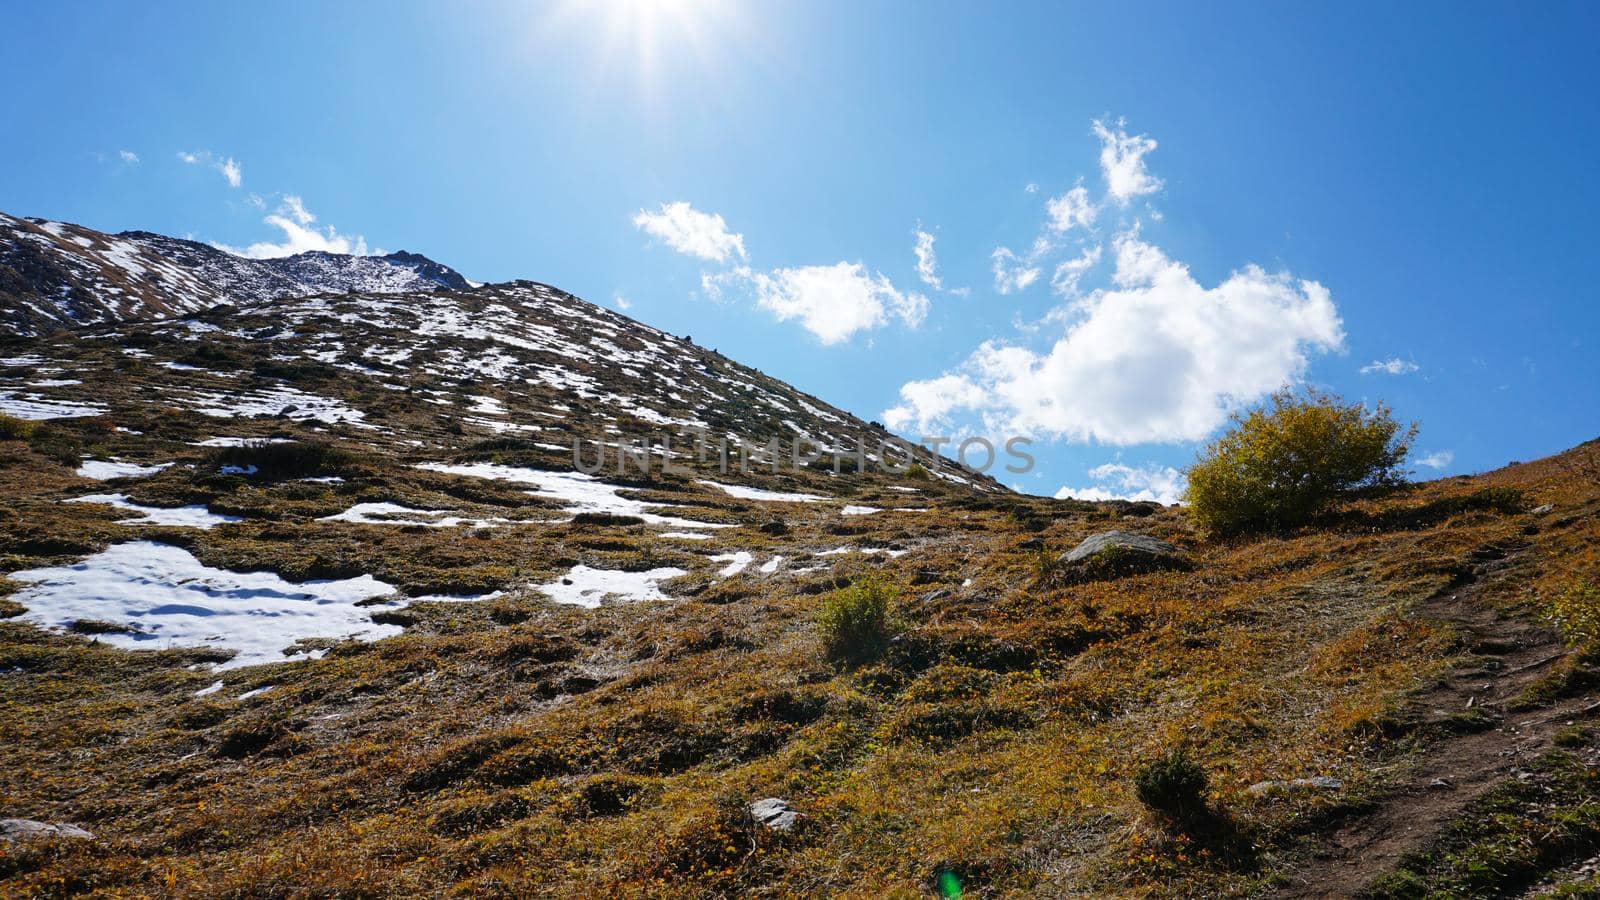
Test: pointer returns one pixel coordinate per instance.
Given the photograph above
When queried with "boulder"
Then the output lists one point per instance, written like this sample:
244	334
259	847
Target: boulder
1112	554
15	830
773	813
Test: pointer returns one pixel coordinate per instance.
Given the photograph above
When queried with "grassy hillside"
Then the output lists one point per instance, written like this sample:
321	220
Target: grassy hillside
990	745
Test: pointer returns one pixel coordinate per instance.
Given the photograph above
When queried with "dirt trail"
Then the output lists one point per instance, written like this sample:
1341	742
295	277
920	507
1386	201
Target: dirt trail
1510	653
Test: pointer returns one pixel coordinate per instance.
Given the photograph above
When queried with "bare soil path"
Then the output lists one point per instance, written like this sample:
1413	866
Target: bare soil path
1508	654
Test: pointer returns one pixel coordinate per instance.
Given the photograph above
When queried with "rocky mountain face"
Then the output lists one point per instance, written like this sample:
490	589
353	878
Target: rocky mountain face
55	275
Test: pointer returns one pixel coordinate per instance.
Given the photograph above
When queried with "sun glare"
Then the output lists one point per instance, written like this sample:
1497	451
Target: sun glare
649	37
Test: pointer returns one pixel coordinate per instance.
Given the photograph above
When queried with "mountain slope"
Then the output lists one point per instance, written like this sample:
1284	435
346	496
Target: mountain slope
54	274
303	596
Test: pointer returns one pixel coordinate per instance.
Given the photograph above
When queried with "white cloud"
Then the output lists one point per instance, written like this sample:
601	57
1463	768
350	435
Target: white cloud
1115	481
1437	460
929	402
1012	273
690	231
1395	366
128	156
1031	187
1122	161
1072	209
832	302
300	235
1070	272
231	171
255	200
927	260
1156	357
621	301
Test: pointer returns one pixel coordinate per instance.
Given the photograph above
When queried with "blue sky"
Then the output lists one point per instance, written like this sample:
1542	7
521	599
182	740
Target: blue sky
1293	192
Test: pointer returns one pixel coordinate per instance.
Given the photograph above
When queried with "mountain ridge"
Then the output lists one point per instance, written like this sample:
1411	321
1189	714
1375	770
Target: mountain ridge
58	274
545	355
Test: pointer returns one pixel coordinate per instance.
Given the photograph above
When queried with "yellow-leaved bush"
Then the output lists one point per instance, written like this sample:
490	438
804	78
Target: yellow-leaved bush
1288	459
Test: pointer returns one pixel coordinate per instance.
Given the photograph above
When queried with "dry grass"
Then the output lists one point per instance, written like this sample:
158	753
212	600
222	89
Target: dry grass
519	747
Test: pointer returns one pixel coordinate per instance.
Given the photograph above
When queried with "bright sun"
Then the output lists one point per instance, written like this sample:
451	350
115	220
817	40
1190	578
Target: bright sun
649	35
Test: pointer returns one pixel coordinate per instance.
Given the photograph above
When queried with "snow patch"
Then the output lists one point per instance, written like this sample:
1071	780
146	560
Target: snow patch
395	514
191	516
736	562
33	406
103	470
750	493
172	599
587	587
582	493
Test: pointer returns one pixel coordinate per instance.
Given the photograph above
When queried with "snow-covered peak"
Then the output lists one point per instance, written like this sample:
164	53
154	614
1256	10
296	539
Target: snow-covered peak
55	275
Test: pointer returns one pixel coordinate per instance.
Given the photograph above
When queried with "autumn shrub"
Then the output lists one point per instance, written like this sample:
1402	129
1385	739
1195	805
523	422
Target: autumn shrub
15	429
1172	785
855	620
1286	461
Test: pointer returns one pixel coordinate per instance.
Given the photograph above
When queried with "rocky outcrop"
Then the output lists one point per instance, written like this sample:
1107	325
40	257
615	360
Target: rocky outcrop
1114	554
19	830
773	813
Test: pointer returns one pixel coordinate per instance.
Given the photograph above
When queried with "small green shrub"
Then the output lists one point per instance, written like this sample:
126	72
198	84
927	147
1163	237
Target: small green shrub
292	459
916	472
15	429
855	620
1173	786
1288	460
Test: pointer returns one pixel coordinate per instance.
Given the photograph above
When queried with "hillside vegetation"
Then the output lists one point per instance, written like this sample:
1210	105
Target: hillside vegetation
959	720
302	597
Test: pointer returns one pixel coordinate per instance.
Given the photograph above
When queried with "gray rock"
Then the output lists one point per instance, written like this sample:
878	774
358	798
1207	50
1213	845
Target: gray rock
1541	510
14	830
774	813
1112	553
1317	782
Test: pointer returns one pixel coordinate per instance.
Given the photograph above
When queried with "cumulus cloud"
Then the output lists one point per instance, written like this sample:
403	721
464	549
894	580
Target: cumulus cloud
927	260
691	232
1071	210
1122	161
832	302
1395	366
1116	481
231	171
1155	357
1439	459
300	234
